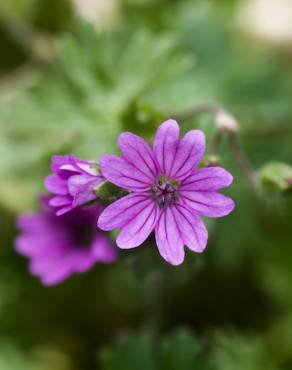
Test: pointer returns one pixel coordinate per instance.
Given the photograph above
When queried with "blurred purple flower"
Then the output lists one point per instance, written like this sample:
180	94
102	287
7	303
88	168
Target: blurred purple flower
168	192
72	183
61	246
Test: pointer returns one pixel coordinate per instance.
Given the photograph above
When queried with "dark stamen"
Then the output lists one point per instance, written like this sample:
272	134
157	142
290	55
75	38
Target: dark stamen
165	191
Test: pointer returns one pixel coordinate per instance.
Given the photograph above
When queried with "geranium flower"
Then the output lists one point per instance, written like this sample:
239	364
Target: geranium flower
72	183
61	246
168	192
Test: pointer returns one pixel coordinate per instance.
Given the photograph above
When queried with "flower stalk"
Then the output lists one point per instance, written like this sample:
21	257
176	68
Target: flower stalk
227	124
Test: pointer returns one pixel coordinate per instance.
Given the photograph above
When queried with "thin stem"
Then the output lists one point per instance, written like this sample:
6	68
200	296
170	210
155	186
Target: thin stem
224	123
216	141
240	157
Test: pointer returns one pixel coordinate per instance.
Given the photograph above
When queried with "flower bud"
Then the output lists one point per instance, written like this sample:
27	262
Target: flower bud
276	177
225	122
211	160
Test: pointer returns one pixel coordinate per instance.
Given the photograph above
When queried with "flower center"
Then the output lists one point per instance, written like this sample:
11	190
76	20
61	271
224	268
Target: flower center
82	237
78	228
165	191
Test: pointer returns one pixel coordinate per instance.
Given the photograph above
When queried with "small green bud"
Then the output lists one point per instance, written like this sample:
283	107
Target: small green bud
276	177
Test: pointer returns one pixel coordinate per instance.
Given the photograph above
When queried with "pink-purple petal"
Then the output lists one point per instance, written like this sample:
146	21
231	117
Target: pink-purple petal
117	214
168	237
165	145
138	152
192	228
31	222
56	184
189	153
25	244
84	196
60	201
64	210
209	204
53	271
77	181
60	247
60	160
124	174
102	249
74	179
137	230
207	179
84	167
83	261
81	188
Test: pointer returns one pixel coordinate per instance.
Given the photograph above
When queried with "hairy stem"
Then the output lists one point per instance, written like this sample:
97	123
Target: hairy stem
240	158
216	141
225	123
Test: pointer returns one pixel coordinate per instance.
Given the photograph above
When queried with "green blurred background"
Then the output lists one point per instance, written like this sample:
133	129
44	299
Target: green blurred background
73	74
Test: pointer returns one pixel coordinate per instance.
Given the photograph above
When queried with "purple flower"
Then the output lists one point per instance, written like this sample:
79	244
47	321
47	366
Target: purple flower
168	193
61	246
73	182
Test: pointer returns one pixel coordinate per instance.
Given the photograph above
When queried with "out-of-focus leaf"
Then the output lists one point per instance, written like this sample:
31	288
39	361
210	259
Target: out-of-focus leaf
12	358
180	351
11	10
40	358
131	353
276	177
235	352
280	349
79	103
30	15
53	15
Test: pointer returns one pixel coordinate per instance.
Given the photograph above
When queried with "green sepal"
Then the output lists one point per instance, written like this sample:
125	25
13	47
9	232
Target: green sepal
108	192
